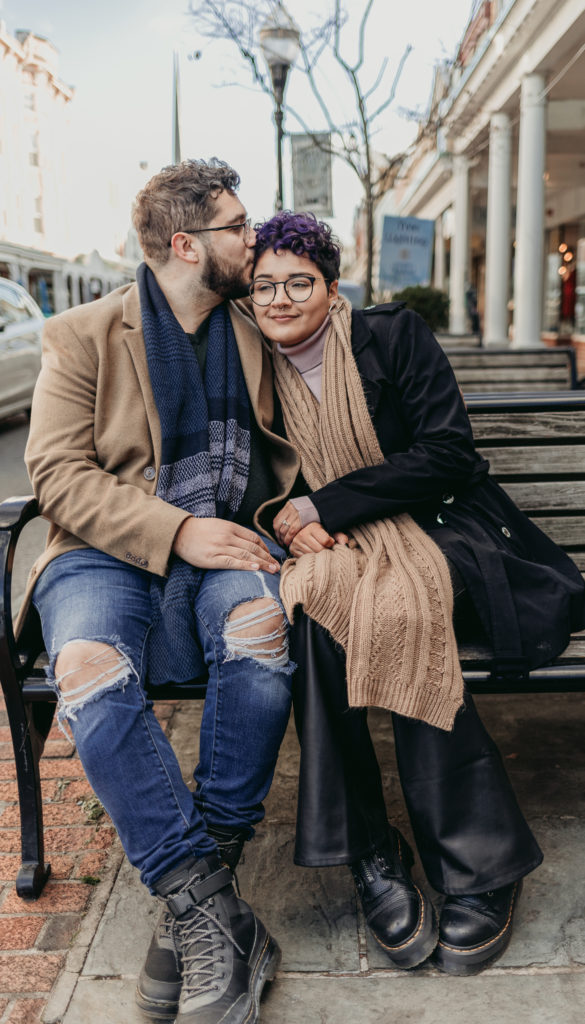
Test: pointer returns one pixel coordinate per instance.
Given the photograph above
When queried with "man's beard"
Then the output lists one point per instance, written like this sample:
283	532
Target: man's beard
224	279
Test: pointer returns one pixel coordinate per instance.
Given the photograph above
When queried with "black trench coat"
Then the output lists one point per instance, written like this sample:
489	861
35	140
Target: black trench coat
527	594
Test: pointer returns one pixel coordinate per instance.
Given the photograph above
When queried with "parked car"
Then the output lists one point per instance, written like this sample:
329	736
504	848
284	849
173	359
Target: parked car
21	323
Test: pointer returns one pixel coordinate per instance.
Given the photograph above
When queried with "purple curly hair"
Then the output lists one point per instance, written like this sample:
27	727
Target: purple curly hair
304	235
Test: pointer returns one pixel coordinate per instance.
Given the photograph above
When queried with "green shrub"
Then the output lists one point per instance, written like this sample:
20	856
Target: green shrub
430	303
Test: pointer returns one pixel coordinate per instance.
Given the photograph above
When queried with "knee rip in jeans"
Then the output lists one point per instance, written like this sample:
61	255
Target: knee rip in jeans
257	629
85	670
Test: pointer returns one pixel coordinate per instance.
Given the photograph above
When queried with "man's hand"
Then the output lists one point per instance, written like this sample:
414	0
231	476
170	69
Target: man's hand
220	544
313	538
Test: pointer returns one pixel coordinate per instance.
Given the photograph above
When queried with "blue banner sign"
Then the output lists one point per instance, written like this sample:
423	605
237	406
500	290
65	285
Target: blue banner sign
406	253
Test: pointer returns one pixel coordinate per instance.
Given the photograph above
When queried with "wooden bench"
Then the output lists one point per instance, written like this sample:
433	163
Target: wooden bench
494	370
536	445
536	448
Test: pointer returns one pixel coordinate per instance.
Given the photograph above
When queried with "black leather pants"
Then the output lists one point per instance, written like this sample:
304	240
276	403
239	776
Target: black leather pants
470	832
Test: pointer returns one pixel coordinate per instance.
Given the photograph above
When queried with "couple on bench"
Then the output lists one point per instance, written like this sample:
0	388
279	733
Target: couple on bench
215	469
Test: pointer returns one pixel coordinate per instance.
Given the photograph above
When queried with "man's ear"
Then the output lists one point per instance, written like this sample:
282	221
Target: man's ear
182	246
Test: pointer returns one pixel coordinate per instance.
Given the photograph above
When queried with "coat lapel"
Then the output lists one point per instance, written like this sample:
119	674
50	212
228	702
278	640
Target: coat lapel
366	356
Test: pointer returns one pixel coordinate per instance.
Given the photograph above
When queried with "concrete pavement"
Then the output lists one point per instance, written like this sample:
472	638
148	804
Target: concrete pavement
332	972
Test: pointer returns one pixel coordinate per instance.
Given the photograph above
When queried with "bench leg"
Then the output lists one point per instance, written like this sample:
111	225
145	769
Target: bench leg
28	745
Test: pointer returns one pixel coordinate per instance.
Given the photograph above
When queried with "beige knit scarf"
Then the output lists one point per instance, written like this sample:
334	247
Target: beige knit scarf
387	599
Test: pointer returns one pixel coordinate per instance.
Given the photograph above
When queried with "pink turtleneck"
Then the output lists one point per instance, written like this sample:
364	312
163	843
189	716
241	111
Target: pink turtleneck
307	357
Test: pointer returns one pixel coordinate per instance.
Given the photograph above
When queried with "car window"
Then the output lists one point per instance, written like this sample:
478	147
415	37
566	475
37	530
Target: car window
12	307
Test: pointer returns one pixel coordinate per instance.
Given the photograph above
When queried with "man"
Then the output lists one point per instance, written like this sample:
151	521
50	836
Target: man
151	455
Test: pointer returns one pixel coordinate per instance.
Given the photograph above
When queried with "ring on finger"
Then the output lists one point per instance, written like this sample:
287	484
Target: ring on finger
284	523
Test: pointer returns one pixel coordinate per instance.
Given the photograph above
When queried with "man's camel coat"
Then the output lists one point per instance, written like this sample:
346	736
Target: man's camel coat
94	447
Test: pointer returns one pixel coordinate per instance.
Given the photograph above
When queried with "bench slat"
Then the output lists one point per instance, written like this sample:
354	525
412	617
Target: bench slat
575	652
548	495
485	384
517	360
509	374
567	531
537	460
525	425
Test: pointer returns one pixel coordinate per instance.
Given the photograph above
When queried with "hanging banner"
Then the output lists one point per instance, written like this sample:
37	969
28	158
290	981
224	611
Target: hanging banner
311	172
406	253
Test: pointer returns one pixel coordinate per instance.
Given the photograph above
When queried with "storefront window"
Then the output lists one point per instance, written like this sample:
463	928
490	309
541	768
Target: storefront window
564	304
580	288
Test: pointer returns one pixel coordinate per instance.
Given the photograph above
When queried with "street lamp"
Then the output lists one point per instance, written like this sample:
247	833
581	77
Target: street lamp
280	43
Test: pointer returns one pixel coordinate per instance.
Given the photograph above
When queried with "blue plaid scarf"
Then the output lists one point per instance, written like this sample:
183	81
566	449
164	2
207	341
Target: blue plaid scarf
205	459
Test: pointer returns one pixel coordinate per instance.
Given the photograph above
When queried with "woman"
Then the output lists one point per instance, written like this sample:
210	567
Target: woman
400	536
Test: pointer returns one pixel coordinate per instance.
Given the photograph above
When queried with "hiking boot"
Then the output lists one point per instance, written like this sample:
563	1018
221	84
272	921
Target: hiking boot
400	917
226	954
475	930
159	985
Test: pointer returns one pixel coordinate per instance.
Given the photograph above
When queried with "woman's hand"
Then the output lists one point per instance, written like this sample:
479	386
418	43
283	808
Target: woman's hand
313	538
287	524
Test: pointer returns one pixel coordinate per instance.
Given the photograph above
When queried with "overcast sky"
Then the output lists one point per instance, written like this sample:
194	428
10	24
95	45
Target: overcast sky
117	54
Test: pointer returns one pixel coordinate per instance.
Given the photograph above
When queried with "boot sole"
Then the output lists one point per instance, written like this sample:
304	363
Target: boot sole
156	1011
466	962
266	968
419	947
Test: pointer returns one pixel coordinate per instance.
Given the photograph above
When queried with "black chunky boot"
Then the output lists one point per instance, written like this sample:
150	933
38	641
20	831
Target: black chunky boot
475	930
400	916
159	985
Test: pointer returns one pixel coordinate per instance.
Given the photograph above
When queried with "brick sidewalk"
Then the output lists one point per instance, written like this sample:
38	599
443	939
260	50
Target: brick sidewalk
35	935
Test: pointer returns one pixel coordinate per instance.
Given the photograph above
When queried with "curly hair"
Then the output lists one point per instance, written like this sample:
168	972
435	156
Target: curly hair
304	235
178	197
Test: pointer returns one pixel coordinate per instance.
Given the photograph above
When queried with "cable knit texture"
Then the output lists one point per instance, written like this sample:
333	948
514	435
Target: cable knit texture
387	598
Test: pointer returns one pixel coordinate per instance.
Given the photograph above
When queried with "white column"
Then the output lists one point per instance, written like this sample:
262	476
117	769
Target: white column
60	297
528	274
439	269
497	269
459	247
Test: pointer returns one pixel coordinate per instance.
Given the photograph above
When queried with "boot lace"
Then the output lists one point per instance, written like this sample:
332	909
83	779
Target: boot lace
198	938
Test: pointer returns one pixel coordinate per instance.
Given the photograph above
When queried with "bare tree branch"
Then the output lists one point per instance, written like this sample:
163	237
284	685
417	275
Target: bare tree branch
240	21
397	76
365	17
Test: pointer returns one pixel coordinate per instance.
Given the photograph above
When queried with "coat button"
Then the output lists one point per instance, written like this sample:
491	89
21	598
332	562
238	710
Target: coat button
149	473
440	519
506	531
448	499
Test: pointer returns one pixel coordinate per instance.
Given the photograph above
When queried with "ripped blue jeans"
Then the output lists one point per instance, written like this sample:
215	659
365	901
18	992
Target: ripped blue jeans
91	596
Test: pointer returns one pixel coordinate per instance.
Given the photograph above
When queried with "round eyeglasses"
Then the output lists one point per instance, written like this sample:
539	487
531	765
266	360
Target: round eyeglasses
298	289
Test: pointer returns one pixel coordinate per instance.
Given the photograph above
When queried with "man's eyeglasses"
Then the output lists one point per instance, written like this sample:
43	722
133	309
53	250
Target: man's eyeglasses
298	289
245	226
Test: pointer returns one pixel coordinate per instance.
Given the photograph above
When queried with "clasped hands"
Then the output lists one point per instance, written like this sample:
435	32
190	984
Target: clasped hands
303	540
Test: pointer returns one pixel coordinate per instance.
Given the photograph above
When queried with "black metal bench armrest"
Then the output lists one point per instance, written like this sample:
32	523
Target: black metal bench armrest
15	513
18	511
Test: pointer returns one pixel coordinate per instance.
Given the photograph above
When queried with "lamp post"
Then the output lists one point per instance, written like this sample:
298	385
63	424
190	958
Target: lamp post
280	43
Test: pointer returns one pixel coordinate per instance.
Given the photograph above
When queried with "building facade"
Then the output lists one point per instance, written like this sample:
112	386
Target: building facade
499	166
35	191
